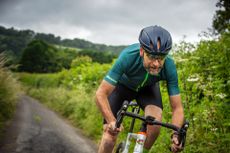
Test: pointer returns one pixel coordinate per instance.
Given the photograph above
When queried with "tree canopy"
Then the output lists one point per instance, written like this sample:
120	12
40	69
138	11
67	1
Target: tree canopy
221	20
39	57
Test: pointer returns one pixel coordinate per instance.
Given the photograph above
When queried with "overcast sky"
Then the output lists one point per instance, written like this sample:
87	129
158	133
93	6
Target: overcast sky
113	22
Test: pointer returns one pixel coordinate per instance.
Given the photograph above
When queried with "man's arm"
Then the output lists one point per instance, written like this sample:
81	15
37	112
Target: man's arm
102	93
177	119
177	110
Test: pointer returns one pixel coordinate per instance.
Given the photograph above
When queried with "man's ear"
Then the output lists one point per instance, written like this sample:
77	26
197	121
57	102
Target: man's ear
141	52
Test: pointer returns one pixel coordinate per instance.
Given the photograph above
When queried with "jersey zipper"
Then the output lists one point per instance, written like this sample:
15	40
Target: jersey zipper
143	82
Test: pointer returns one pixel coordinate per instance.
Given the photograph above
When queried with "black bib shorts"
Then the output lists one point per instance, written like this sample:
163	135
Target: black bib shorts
148	95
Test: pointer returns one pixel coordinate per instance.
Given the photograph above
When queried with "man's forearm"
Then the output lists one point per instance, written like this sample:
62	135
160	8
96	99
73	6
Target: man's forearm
103	105
178	116
177	110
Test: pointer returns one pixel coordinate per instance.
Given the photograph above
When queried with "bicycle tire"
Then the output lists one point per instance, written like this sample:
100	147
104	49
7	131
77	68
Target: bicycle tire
120	147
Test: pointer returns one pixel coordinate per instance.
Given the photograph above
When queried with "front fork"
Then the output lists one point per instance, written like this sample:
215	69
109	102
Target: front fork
140	138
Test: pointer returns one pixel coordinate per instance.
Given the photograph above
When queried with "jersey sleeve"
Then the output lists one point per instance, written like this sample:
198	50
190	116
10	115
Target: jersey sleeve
171	77
117	70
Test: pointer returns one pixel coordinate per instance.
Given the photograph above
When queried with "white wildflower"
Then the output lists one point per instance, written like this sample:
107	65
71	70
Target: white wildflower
210	78
214	129
193	78
202	86
221	95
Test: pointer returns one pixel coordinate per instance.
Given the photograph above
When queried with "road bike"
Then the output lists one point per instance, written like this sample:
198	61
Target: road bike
140	136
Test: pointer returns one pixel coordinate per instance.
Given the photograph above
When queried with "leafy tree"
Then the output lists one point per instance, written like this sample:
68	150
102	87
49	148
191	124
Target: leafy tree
38	56
221	21
14	40
49	38
65	57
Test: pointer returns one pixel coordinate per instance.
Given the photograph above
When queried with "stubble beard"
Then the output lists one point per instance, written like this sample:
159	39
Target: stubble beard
152	70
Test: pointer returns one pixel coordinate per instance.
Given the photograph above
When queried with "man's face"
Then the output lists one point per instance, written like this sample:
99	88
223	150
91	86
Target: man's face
152	63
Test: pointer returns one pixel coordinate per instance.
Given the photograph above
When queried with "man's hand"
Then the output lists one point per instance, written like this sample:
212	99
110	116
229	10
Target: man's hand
176	147
111	128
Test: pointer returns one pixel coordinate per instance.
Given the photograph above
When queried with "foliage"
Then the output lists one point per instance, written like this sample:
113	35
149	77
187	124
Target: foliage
81	60
88	73
39	57
9	88
49	38
86	45
221	20
204	81
65	56
13	42
100	57
42	80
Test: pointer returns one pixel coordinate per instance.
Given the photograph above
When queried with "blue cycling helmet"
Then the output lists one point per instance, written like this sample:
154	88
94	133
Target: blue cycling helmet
149	37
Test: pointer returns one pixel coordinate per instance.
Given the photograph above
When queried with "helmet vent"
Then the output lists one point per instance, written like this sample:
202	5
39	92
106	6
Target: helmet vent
151	44
158	43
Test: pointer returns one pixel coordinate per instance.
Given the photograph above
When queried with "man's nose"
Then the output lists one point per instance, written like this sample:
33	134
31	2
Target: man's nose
155	63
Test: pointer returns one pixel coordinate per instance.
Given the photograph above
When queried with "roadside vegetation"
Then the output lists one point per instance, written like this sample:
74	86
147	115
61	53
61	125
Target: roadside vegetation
9	90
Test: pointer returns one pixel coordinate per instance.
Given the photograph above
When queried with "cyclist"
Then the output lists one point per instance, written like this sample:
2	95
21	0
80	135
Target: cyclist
136	75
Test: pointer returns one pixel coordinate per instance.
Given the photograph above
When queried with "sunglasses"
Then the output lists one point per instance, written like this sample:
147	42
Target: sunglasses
155	57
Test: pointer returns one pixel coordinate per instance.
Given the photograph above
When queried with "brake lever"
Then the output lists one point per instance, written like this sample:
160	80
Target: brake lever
120	114
183	132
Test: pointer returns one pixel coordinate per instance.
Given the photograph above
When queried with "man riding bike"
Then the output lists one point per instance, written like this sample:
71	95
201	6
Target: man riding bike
136	75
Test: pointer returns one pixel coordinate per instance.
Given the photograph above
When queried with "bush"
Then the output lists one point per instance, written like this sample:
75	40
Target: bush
9	89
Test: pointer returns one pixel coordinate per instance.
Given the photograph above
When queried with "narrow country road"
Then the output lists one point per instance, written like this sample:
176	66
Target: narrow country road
36	129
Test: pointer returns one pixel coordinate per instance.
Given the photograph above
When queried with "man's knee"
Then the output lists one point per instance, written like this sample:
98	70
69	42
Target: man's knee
109	138
154	111
107	142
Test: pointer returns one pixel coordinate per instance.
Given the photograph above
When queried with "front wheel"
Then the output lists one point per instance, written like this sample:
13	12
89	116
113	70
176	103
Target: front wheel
120	147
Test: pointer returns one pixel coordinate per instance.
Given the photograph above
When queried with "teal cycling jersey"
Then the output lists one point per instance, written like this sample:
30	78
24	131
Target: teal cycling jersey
129	71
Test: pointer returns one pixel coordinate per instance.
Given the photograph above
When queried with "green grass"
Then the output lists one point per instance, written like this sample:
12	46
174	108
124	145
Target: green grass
40	80
9	89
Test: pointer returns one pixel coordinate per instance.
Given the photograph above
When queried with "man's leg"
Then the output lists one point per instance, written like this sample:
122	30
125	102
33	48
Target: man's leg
107	142
152	130
149	98
116	100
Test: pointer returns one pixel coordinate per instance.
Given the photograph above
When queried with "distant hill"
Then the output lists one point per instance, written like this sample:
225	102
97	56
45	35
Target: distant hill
13	41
